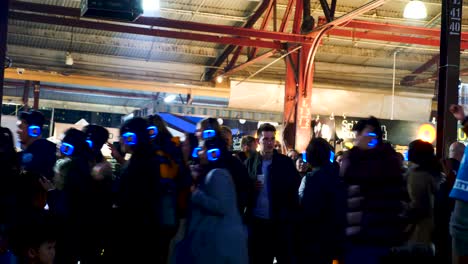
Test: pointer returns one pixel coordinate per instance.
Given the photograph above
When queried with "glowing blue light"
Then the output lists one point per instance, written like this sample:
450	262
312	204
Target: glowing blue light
67	149
129	138
213	154
152	131
34	131
209	133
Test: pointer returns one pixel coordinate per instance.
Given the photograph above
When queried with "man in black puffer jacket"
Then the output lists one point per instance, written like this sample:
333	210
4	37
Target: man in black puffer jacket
376	195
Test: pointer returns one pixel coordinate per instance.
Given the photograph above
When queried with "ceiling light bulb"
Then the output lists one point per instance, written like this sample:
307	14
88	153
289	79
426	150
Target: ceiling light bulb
220	121
69	59
150	7
169	98
415	9
219	79
242	121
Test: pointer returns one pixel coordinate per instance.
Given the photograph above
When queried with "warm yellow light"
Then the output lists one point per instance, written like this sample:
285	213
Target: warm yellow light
427	132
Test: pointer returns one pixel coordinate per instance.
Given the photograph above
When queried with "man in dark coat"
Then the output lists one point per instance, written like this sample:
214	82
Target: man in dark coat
272	211
376	192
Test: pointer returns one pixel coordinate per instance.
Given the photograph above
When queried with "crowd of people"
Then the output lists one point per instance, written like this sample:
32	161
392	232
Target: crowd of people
198	202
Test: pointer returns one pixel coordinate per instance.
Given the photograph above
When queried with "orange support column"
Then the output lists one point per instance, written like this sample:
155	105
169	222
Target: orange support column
304	102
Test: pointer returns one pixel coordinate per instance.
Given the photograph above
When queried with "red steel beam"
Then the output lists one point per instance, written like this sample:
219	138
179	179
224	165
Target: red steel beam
349	16
389	38
252	20
250	62
420	70
144	31
234	59
399	29
266	19
287	15
169	23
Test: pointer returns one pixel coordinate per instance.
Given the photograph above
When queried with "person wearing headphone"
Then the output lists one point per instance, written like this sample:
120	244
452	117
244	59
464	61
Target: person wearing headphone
36	159
137	202
215	233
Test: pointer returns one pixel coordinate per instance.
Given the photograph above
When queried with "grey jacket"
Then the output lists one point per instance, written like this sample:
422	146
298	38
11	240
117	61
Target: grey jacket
215	231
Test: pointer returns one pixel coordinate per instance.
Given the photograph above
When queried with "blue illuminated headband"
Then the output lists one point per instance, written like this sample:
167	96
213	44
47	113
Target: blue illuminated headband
67	149
209	133
90	143
332	156
34	131
129	138
152	131
304	156
374	141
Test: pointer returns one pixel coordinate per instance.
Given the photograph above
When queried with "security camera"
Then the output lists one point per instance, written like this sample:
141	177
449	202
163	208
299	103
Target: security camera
20	70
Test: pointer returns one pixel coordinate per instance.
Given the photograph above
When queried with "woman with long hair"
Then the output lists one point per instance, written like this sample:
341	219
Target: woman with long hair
215	233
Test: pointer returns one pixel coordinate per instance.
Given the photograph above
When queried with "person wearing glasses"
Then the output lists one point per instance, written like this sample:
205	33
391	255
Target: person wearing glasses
372	173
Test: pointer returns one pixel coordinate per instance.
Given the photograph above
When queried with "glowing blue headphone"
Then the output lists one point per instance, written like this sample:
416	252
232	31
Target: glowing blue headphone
90	143
304	156
211	154
67	149
152	131
374	141
209	133
332	156
34	131
129	138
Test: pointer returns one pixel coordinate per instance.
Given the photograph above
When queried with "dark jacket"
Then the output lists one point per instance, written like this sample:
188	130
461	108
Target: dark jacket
243	184
322	197
138	210
36	161
376	196
284	183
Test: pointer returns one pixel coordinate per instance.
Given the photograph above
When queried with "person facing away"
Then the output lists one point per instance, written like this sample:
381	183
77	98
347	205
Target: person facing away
459	219
323	205
272	212
215	233
137	202
372	173
36	160
175	181
70	198
423	180
239	174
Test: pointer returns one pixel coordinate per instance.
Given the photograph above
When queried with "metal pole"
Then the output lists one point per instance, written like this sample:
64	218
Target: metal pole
51	126
4	9
393	86
449	74
37	89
